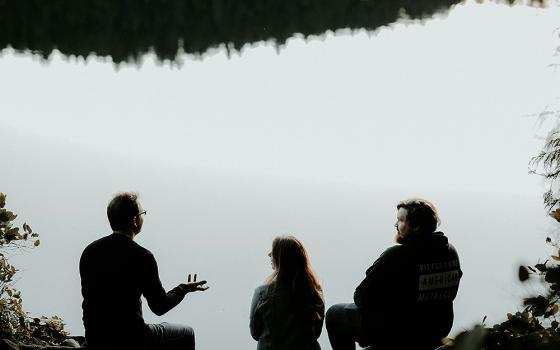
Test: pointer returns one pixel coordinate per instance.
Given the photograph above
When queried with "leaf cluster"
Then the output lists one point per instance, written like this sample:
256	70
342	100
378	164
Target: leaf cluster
547	164
15	324
536	326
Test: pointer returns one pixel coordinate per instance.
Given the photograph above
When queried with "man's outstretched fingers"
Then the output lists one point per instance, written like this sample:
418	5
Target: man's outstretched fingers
201	286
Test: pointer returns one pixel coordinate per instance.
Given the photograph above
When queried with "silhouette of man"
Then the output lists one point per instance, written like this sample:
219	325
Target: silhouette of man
115	271
406	298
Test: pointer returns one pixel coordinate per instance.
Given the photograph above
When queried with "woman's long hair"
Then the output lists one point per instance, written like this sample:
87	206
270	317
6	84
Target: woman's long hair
293	273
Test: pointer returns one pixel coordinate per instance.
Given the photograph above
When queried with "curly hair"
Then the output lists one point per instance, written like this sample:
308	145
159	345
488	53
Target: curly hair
422	215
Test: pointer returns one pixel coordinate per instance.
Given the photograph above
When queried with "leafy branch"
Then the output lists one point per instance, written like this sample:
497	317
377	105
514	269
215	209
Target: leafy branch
15	324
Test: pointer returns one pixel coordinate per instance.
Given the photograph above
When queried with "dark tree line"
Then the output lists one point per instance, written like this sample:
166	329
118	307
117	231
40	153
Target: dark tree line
127	29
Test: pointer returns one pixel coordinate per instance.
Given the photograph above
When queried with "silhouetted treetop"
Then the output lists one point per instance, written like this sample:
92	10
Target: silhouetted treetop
127	29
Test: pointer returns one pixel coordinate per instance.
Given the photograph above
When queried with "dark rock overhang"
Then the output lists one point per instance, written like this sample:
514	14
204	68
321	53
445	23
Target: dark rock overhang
125	30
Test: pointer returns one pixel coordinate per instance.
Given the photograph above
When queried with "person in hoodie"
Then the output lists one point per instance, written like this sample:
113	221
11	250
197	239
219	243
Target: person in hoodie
406	298
287	312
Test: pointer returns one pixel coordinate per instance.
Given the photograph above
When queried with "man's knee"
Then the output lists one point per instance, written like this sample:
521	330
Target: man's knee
186	334
189	336
172	336
335	314
186	331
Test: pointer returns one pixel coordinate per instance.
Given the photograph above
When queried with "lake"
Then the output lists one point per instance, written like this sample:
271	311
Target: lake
221	227
320	139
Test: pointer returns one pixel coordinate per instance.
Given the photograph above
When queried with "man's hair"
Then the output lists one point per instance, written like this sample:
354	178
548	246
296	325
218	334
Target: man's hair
121	210
422	216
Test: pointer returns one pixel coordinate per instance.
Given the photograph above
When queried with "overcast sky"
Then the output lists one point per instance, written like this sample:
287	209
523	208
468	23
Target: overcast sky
319	138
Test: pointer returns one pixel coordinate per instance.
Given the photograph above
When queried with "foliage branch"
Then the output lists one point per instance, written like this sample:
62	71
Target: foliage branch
15	324
536	326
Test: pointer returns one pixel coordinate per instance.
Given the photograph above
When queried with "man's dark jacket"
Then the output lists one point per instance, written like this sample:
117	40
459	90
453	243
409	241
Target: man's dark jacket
115	271
407	295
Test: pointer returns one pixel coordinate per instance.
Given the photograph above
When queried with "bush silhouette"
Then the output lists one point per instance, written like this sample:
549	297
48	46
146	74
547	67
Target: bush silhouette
15	324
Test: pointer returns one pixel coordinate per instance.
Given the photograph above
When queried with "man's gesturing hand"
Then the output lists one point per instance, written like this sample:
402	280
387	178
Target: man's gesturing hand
195	286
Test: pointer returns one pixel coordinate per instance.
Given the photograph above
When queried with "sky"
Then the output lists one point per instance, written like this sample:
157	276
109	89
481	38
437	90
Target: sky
320	137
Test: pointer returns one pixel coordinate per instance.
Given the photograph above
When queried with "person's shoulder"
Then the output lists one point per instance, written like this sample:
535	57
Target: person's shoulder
137	246
394	255
451	246
262	289
115	241
141	251
97	244
266	291
440	239
452	250
96	250
394	251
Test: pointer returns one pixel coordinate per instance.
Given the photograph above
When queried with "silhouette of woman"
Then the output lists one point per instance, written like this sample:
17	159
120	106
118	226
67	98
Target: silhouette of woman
287	312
